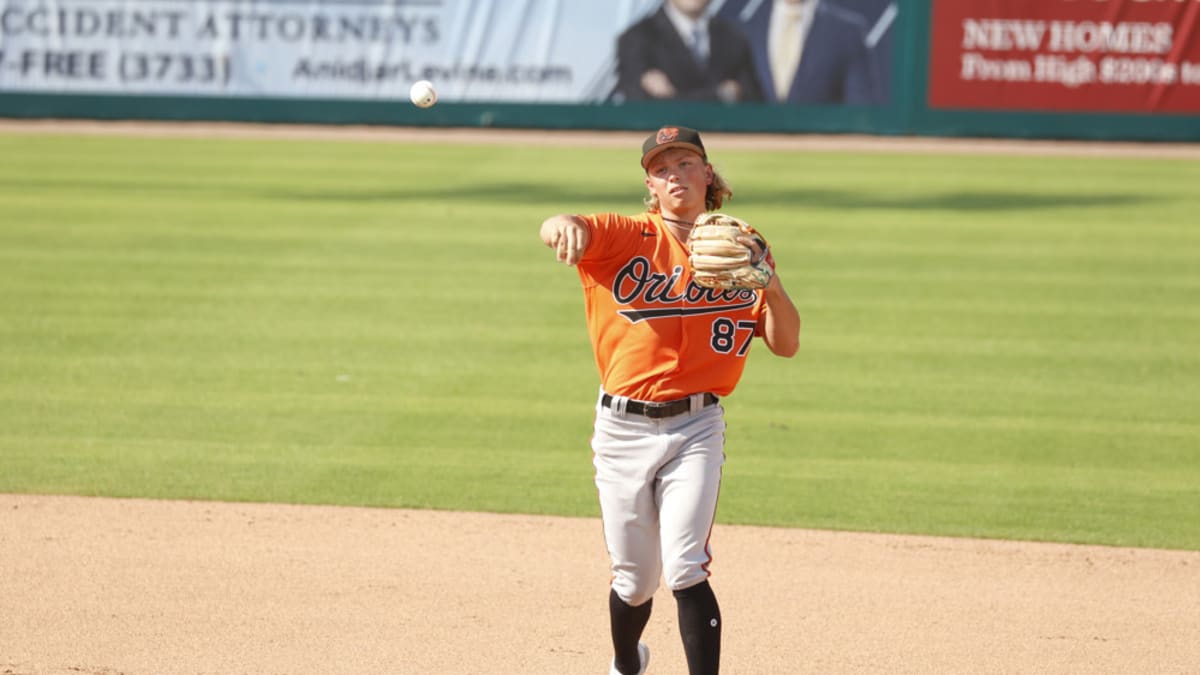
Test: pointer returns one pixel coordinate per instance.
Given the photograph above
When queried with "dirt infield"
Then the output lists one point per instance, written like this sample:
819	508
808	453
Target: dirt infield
108	587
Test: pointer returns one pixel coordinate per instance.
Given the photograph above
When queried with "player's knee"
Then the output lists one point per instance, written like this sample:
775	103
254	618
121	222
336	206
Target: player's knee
681	575
633	590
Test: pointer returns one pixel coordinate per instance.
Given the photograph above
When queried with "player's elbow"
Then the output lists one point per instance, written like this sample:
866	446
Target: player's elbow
787	348
785	344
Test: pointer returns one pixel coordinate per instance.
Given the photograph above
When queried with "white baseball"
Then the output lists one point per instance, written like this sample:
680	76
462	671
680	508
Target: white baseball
423	94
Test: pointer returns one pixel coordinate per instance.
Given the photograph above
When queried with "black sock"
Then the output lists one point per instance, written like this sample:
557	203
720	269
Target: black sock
700	627
627	622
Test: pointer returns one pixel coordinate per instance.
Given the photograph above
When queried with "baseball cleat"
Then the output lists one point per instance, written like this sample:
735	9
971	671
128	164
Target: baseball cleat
643	656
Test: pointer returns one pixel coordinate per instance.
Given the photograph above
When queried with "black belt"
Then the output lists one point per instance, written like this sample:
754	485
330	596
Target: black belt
659	410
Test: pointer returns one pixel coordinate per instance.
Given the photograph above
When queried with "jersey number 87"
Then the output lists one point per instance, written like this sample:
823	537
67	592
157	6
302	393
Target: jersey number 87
725	334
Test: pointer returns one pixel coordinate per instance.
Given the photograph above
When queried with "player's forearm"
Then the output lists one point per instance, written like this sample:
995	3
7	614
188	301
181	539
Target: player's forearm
781	326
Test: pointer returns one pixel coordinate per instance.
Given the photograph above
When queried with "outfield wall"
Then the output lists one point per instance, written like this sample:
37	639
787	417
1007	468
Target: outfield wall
1094	69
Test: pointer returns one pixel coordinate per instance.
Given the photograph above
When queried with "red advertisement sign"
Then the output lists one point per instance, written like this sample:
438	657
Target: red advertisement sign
1071	55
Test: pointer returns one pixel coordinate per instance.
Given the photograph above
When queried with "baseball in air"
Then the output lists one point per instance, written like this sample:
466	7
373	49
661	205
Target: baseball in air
423	94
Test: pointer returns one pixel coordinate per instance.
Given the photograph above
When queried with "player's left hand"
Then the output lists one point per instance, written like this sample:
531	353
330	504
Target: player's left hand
727	253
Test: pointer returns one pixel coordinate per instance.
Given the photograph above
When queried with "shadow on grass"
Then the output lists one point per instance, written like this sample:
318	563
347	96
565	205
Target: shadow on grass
521	193
549	194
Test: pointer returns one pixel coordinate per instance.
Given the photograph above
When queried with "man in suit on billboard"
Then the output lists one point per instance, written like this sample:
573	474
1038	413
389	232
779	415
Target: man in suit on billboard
810	51
679	52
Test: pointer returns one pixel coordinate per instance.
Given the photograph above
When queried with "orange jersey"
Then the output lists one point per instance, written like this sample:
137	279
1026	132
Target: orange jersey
656	335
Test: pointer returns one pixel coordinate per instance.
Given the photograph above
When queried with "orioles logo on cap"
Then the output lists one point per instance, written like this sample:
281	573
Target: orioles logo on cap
667	134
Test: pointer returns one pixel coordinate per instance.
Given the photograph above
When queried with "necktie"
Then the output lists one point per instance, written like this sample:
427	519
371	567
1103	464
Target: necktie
785	50
700	44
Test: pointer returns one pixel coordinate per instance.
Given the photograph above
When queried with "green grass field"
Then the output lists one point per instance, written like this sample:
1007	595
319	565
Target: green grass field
992	346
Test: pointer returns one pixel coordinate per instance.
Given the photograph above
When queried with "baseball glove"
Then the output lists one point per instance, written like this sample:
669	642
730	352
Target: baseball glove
727	253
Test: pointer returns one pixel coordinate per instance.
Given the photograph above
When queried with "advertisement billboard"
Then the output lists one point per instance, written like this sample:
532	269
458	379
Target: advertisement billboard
538	51
1132	56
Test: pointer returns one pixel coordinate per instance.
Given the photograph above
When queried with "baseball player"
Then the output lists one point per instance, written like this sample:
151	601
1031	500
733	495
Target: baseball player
667	349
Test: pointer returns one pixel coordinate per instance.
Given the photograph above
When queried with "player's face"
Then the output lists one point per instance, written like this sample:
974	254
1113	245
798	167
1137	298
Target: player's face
680	179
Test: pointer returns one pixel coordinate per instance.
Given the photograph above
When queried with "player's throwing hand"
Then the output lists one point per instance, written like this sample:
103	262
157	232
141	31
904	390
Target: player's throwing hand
568	236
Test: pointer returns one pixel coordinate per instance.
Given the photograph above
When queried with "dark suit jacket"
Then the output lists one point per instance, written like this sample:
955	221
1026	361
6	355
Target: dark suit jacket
835	66
653	42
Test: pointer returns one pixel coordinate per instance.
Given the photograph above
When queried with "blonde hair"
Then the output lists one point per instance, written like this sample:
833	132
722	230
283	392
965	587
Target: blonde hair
718	191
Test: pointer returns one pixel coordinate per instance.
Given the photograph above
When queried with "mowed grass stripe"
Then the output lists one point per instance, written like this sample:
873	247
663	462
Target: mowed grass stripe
993	346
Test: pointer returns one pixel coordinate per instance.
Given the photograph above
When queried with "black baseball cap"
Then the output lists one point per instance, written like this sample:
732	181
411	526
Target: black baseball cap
671	137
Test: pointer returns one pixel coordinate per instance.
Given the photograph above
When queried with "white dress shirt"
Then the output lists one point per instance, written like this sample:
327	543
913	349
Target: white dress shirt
790	24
